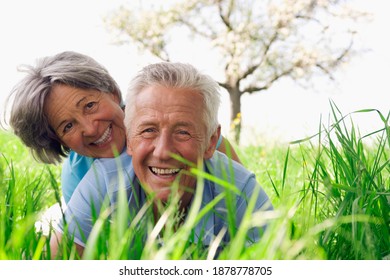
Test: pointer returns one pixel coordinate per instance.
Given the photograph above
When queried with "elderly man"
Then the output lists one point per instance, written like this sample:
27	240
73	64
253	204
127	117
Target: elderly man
172	125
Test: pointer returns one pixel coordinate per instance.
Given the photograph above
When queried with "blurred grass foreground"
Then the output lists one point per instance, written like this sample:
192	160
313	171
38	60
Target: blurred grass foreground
331	194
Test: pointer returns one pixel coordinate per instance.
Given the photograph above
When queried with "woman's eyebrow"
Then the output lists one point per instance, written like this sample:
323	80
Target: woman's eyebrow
80	101
77	105
61	124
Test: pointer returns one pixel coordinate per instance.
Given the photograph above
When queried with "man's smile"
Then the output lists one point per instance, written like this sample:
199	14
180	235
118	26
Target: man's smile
164	171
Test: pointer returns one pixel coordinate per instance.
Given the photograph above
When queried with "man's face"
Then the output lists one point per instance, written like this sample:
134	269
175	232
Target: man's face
168	121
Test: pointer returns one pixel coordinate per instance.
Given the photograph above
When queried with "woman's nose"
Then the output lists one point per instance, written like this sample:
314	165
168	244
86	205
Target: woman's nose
89	128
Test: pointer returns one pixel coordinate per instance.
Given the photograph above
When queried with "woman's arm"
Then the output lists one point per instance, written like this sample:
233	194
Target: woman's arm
226	148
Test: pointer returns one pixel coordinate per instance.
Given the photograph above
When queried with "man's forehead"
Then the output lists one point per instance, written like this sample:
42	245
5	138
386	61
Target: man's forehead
174	121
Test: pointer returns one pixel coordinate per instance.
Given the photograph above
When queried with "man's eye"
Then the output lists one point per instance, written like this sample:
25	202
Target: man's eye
183	132
148	130
148	133
183	135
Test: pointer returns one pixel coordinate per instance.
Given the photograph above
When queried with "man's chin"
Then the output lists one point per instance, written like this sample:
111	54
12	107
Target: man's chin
161	195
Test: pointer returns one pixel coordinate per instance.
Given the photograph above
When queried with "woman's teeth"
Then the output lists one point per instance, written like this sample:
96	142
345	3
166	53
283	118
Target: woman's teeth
105	137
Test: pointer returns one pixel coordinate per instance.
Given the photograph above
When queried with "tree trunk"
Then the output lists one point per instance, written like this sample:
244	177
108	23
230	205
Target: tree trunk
235	113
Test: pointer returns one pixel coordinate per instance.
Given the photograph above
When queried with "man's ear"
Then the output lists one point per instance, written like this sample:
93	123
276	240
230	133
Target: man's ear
212	143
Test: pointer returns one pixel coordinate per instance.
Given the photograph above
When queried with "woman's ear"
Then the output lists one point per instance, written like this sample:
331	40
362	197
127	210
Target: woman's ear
212	143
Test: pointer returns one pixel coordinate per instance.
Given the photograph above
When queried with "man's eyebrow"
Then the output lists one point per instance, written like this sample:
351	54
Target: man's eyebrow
146	123
183	123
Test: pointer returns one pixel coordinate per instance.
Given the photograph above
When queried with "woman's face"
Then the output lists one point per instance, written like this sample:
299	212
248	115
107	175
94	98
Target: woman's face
87	121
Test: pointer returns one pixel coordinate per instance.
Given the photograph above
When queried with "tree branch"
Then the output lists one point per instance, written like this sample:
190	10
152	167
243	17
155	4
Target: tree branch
252	89
263	56
212	35
325	70
345	52
226	18
336	61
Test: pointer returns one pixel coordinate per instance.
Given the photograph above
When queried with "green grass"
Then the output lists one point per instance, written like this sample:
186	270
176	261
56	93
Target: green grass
330	191
25	193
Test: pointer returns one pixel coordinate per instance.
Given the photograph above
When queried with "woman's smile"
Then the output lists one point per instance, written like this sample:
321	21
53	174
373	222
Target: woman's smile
105	138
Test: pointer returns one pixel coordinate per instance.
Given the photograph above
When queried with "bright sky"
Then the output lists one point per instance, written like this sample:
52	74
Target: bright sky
32	29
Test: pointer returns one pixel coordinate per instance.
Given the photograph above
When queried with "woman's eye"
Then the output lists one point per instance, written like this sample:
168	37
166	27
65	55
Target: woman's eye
90	104
67	127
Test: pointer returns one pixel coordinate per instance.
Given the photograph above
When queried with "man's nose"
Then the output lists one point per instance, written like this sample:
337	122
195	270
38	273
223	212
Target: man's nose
163	147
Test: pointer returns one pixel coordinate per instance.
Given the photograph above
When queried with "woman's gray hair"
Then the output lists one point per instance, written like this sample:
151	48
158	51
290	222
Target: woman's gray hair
176	75
27	117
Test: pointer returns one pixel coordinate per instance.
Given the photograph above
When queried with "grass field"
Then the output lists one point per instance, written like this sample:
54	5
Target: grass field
331	195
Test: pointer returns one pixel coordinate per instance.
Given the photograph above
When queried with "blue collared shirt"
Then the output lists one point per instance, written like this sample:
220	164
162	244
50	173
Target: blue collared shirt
101	185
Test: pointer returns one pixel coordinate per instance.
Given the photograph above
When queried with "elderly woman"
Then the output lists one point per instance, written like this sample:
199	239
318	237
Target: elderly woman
68	105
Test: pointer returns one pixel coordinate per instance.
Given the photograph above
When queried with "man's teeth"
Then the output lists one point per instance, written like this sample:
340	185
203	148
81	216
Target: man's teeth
165	171
105	136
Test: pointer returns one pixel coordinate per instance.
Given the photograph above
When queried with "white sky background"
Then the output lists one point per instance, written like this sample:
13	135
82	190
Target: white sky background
33	29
